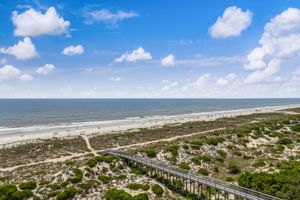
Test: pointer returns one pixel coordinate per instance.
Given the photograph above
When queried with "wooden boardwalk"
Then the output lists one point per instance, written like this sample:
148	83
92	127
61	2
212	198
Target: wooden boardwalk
193	179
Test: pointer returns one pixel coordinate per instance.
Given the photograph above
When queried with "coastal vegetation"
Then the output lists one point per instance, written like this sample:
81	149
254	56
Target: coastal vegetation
247	151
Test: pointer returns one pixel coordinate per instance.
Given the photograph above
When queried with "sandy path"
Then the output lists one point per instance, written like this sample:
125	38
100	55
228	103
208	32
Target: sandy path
65	158
87	141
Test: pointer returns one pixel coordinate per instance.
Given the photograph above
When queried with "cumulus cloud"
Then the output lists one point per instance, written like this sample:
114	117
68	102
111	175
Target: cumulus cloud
232	23
46	69
24	50
88	69
280	41
226	80
73	50
26	77
106	16
35	23
8	72
135	55
168	60
169	85
115	79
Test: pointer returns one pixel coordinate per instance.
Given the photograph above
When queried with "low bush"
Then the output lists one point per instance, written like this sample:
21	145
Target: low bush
30	185
284	141
68	193
230	179
78	176
105	179
92	163
185	166
234	168
137	186
151	153
259	163
115	194
142	196
222	153
203	171
157	190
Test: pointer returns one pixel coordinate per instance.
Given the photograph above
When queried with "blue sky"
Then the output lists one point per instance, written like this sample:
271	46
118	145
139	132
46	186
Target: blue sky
149	49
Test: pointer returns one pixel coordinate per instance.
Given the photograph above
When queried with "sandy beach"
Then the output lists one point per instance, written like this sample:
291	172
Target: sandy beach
32	134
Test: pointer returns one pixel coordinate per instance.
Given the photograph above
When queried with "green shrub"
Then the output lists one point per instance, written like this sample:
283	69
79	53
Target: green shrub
92	163
151	153
259	163
142	196
30	185
86	186
215	141
105	179
222	153
78	176
107	159
137	186
284	141
68	193
197	160
184	165
283	184
237	153
120	177
20	195
296	127
7	190
157	190
230	179
203	171
234	168
114	194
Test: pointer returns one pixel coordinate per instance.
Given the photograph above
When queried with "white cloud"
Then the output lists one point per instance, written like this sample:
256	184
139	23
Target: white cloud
202	79
115	79
265	74
35	23
22	51
105	15
3	61
169	85
8	72
73	50
136	55
206	61
26	77
297	72
225	80
168	60
90	92
232	23
280	41
88	69
46	69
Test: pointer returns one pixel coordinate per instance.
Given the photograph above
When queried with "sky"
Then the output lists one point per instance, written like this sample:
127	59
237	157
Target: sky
149	49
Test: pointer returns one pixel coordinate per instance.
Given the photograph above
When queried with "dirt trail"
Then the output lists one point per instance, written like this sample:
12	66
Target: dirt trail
65	158
87	141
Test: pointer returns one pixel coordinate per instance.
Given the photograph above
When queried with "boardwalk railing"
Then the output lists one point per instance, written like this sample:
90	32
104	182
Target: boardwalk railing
203	180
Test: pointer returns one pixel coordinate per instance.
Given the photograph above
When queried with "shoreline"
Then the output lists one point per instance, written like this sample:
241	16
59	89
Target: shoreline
129	124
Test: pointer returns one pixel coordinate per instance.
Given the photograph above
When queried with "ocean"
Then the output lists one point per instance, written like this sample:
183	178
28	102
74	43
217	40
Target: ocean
17	113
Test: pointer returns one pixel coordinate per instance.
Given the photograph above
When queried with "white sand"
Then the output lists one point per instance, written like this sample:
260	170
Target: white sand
123	125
